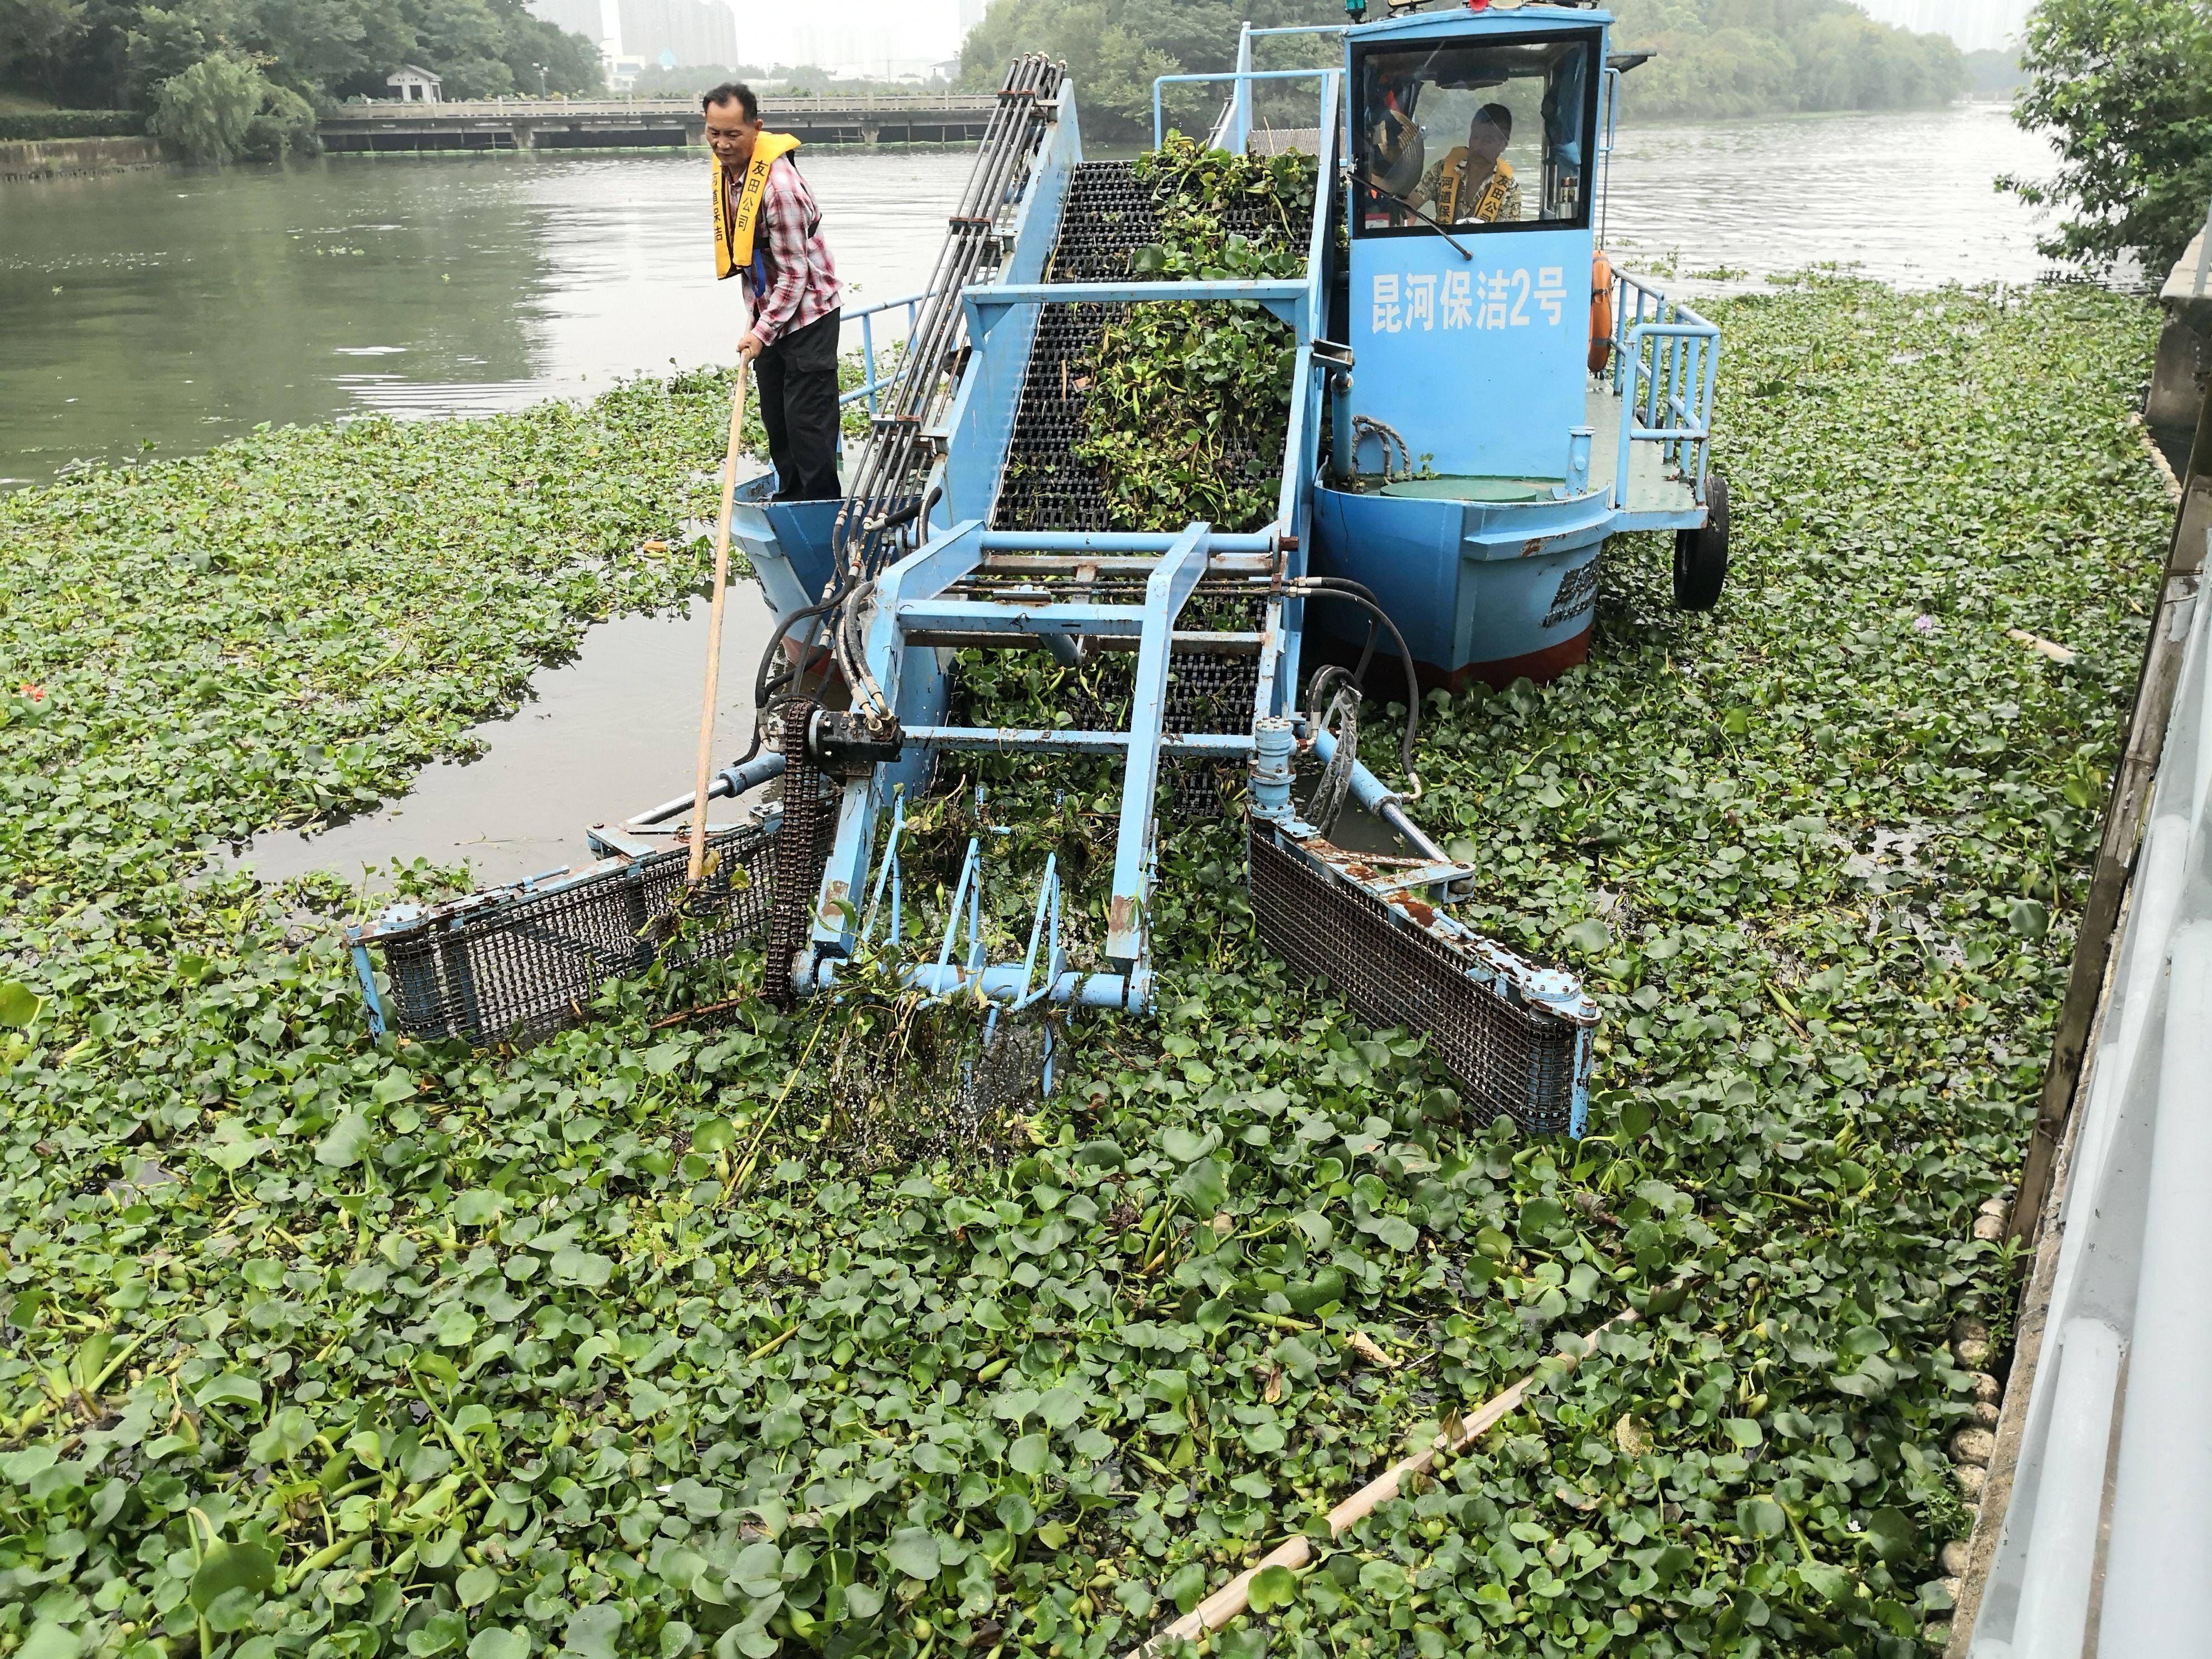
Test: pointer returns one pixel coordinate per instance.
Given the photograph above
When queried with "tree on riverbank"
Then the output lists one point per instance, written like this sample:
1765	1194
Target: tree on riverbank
122	53
2123	87
1714	57
1778	57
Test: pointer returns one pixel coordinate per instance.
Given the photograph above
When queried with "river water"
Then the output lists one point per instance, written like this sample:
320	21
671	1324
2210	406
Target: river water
169	311
164	311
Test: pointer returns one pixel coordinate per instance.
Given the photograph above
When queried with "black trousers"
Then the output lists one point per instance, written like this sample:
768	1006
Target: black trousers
797	379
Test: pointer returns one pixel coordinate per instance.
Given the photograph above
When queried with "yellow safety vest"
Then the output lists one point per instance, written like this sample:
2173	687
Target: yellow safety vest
1451	178
733	239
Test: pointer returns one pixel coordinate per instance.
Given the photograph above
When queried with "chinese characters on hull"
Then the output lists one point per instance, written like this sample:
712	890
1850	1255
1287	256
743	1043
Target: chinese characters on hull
1415	302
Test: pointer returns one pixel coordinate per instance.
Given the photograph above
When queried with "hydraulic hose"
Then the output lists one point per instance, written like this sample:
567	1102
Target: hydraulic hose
1338	587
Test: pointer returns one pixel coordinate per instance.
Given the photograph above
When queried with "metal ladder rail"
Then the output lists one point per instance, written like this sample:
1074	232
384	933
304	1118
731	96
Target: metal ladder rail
895	453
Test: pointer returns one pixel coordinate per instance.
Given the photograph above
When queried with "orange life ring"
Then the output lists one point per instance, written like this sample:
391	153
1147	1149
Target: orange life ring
1601	332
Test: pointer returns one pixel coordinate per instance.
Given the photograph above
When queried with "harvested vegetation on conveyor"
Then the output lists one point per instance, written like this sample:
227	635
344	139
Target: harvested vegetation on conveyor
317	1349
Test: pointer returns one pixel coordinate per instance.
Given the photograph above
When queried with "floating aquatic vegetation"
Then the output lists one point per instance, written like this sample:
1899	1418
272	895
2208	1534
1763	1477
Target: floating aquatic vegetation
318	1347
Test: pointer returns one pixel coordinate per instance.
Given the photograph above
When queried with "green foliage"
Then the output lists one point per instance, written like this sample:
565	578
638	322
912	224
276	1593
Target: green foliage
1189	404
284	125
73	124
1758	57
123	52
2123	87
204	111
318	1347
1716	57
1115	48
1996	72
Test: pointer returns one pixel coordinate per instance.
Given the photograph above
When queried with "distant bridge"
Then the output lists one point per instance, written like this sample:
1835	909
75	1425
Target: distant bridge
645	123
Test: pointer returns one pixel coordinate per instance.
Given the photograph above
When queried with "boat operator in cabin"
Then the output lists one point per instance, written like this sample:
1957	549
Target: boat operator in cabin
769	232
1475	184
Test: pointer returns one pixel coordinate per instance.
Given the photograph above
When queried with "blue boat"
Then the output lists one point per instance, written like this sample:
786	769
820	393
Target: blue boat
1500	401
1476	403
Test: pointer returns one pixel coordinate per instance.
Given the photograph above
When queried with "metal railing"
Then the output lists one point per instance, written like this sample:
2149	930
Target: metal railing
2108	1525
955	103
1241	80
872	382
1665	359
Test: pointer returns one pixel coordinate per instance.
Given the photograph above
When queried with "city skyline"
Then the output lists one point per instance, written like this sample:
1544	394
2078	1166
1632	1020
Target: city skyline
895	38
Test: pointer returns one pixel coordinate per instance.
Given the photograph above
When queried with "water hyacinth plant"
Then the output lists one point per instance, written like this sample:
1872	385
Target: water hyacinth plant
320	1347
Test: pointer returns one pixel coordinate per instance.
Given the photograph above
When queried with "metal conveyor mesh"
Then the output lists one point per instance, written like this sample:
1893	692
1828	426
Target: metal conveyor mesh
1108	216
1505	1057
523	967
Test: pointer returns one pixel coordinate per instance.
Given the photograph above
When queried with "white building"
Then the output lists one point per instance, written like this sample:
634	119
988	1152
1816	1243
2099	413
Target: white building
415	83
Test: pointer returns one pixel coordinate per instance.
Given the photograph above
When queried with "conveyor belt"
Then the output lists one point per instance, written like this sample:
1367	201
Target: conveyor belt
1108	216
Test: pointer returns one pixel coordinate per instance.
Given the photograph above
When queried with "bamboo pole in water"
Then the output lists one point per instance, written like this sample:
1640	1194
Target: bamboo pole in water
698	864
1233	1597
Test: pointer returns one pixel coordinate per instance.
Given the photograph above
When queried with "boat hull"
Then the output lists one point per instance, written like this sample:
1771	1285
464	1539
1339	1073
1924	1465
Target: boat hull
1482	590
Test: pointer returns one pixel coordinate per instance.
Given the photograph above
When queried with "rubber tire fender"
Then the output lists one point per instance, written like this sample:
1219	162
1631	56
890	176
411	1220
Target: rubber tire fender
1601	328
1701	556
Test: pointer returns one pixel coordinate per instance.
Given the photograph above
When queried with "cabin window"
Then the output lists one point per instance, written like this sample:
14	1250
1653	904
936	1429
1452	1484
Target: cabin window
1475	137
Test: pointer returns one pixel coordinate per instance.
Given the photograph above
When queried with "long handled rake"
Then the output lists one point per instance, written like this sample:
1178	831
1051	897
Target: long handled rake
697	866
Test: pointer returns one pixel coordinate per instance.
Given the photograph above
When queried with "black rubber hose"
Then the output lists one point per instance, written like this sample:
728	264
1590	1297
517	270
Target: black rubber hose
762	678
1338	587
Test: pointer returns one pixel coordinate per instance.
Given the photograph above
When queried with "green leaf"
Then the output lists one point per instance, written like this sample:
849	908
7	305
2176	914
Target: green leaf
476	1586
1893	1535
247	1568
1187	1146
346	1143
913	1551
495	1643
478	1207
1273	1588
713	1134
1834	1584
1386	1579
1027	1456
1761	1518
593	1631
230	1388
18	1008
47	1640
572	1266
1589	935
392	1088
1395	1232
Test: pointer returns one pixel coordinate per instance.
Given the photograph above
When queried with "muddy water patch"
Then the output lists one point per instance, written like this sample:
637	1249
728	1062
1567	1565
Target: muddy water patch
607	734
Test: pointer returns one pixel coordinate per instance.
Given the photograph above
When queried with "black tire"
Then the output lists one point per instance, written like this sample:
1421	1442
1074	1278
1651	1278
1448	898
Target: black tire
1701	556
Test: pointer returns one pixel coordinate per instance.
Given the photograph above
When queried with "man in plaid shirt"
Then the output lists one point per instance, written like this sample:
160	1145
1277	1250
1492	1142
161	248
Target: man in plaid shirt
792	285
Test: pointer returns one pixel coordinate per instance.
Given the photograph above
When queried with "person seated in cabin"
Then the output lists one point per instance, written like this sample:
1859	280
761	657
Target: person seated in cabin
1474	184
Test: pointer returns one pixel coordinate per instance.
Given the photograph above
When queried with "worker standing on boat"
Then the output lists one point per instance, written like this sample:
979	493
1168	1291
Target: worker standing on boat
769	231
1474	184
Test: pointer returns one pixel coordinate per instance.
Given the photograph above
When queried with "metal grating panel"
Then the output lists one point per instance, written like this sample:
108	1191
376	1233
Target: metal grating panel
525	967
1505	1057
1108	216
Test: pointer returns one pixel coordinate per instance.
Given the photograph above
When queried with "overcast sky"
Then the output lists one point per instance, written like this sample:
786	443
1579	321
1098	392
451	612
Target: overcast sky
890	28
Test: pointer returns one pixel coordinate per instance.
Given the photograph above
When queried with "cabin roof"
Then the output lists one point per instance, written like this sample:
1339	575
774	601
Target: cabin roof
1457	22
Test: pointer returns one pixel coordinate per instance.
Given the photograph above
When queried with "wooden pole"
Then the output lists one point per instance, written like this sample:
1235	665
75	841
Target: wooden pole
1233	1597
698	865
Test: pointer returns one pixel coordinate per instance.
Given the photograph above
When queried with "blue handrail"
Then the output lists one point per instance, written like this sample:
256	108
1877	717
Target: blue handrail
872	382
1665	359
1241	78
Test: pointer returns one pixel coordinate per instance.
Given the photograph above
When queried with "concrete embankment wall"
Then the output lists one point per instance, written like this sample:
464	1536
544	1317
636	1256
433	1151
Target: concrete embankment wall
61	158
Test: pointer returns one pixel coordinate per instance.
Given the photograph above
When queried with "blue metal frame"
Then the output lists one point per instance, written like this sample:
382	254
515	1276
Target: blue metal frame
1242	78
872	383
1666	362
